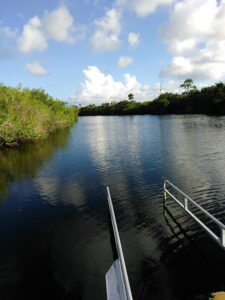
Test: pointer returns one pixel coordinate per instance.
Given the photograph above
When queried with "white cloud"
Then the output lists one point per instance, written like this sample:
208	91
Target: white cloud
143	7
32	38
195	36
124	61
36	68
99	88
57	25
107	30
10	33
134	39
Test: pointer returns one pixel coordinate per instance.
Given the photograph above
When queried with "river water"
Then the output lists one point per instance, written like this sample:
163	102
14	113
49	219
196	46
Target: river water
54	220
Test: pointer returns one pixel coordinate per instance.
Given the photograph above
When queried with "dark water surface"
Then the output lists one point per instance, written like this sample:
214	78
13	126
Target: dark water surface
54	222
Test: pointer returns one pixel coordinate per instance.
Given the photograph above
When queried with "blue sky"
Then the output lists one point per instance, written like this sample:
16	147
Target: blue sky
94	51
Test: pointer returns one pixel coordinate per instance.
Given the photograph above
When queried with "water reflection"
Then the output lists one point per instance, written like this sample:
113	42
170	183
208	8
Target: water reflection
196	158
22	163
54	220
155	148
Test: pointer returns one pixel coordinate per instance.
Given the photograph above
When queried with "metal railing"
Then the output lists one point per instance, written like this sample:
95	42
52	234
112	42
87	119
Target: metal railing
219	239
126	284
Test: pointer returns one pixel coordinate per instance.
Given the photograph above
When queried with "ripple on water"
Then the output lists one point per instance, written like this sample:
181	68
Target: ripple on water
55	226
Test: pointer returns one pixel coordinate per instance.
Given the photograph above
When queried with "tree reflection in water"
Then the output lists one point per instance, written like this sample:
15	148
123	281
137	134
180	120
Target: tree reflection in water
22	163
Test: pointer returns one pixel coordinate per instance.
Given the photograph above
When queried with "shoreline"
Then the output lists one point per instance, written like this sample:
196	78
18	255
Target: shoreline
30	114
207	101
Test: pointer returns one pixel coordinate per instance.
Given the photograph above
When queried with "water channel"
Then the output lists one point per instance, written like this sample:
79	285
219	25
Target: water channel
54	220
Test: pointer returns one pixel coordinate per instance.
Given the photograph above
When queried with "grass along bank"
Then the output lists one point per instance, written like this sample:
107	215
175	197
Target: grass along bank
27	115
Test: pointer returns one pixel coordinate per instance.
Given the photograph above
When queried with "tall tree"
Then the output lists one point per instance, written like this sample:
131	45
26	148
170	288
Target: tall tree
188	85
131	97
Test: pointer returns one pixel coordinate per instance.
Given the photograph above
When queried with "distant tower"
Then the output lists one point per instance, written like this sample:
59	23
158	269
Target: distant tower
160	88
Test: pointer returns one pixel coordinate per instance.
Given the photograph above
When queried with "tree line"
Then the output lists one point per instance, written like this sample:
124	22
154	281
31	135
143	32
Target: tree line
208	100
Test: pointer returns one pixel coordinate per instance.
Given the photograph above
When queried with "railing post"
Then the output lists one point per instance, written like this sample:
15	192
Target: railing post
223	237
119	248
185	203
164	193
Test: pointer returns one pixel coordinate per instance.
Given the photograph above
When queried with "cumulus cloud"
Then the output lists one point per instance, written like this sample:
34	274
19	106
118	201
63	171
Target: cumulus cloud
107	30
36	68
195	36
143	7
134	39
32	38
124	61
57	25
99	88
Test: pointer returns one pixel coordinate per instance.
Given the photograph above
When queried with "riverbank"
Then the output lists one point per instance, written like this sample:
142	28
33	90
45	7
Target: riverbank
28	115
208	100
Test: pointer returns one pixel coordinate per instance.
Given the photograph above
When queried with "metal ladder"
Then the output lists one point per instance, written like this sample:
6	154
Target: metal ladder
185	206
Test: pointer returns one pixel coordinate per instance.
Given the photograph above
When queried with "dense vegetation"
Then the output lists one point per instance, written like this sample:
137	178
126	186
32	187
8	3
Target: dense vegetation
208	100
31	114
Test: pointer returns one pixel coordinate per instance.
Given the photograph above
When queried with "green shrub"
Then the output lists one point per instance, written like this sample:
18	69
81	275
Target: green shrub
30	114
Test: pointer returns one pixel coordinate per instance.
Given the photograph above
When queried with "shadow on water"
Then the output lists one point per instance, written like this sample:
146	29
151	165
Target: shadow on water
190	258
187	268
53	230
25	266
22	163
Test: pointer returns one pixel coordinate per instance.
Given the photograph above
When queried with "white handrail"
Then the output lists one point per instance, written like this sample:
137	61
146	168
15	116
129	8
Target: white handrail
219	239
119	249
